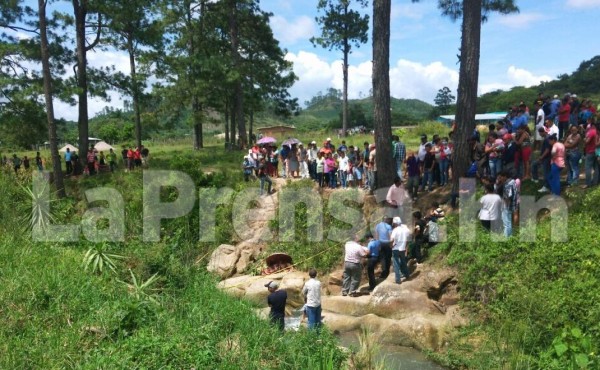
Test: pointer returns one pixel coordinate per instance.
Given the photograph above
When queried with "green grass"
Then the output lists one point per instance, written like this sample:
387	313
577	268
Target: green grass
58	315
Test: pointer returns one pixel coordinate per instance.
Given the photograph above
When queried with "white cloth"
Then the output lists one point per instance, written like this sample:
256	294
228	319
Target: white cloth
312	292
354	252
421	153
343	164
396	195
491	205
539	122
400	236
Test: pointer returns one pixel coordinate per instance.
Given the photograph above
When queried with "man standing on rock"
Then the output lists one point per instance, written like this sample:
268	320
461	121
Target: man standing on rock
276	300
383	230
312	299
352	268
400	236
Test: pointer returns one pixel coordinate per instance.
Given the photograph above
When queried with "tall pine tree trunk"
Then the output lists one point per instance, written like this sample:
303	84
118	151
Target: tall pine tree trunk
238	100
345	74
227	136
467	89
381	93
135	92
80	11
197	112
56	166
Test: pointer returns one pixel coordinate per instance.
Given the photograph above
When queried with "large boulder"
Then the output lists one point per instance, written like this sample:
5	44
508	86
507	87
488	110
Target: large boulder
399	301
223	260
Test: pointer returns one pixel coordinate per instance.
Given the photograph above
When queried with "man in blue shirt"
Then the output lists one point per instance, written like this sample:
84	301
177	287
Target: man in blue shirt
374	248
383	230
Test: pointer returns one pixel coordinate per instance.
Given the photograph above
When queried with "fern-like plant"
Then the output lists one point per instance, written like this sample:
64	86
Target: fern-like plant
97	259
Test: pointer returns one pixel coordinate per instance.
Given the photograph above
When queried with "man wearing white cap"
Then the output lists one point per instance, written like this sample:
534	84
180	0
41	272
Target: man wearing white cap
276	300
400	236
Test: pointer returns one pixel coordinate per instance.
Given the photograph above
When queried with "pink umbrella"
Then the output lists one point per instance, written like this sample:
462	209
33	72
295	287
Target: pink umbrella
267	140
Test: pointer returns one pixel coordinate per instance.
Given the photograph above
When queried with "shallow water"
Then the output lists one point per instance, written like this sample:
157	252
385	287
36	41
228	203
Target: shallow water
394	357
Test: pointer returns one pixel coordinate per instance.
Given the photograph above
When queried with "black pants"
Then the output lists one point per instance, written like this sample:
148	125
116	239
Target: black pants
371	271
278	321
487	224
415	251
385	256
69	167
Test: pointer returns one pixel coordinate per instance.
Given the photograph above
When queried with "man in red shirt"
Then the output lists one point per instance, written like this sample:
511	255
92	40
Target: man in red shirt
564	115
591	137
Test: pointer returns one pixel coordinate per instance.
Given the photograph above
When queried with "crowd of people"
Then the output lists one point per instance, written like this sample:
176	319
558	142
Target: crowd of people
346	166
556	138
564	135
96	161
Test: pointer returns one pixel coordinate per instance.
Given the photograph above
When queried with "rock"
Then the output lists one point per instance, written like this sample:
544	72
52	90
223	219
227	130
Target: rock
223	260
248	253
399	301
293	282
335	278
352	306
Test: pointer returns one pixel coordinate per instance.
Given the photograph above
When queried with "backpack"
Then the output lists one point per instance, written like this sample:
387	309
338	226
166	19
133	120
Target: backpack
472	171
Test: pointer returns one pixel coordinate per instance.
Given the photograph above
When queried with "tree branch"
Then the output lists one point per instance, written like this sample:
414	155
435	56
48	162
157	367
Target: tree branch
98	32
17	28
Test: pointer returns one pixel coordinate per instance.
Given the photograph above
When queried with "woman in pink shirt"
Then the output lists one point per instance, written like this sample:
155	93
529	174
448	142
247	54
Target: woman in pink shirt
558	163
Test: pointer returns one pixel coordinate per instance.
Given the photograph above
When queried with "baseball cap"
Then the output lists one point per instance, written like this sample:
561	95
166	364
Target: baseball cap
328	139
507	137
574	95
313	142
555	96
272	284
397	220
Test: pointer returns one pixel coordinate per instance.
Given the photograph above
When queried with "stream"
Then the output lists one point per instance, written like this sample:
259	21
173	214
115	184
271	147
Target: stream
394	357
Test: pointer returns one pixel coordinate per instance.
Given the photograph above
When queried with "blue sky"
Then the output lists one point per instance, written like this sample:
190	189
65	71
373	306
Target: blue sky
547	38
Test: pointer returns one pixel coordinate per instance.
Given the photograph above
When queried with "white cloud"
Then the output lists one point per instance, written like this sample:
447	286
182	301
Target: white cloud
409	80
109	58
410	11
288	33
523	77
413	80
514	77
520	20
583	3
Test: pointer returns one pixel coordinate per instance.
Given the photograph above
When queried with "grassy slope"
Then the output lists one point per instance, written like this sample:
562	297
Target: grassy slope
56	315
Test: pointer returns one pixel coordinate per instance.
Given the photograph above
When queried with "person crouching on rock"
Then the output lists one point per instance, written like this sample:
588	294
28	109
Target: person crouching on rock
276	300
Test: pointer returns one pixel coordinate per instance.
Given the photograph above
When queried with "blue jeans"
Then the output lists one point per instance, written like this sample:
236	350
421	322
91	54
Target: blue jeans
427	179
554	179
343	178
314	316
320	178
573	158
507	222
591	165
443	164
399	260
266	179
332	180
495	167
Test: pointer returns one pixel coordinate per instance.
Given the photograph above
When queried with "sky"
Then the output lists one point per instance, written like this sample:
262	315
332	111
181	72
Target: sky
545	39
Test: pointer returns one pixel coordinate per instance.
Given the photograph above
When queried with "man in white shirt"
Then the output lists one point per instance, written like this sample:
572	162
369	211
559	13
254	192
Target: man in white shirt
395	198
539	122
312	160
352	268
343	169
312	299
400	236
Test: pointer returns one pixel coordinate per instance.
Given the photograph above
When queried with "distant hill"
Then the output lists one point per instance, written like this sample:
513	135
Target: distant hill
326	113
585	82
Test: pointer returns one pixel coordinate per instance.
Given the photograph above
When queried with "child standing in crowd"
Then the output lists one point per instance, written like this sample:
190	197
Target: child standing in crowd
320	168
